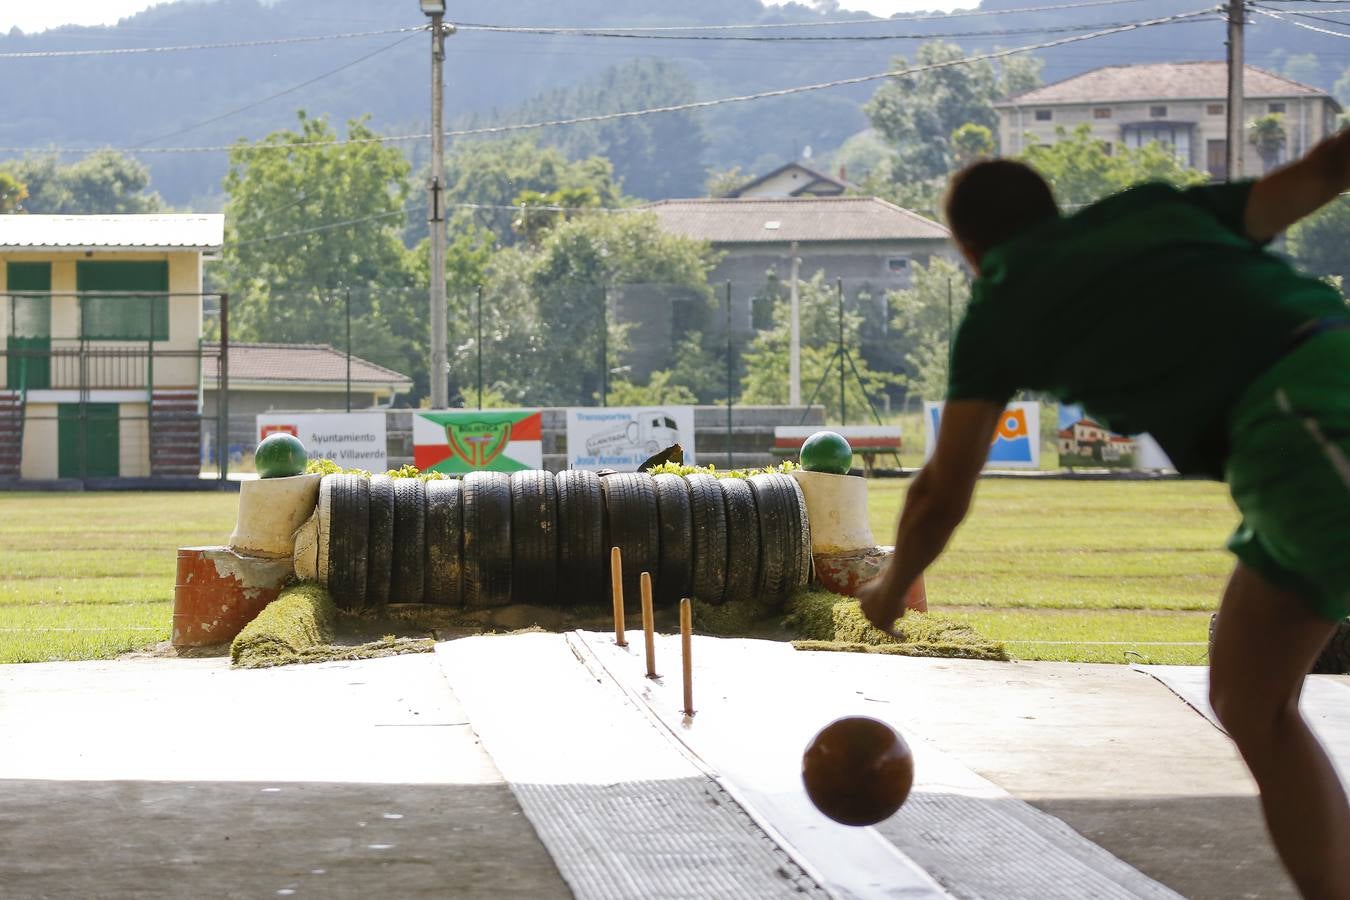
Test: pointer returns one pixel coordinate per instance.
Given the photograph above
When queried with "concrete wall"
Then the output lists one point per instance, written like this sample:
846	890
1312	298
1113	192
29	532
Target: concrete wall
40	458
1307	120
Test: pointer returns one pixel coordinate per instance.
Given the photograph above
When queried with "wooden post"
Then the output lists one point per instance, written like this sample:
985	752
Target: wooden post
686	653
648	634
616	589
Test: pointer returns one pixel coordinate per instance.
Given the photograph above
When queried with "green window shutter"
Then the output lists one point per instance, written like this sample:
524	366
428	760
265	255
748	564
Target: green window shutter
30	325
123	316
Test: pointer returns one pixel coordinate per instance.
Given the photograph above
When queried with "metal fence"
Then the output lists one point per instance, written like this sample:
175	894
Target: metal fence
108	384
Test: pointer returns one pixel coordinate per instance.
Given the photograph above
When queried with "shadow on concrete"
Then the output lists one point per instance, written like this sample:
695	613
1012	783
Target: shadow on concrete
1205	848
125	839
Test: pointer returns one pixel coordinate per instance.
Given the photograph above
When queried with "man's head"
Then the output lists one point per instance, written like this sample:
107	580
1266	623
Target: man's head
995	201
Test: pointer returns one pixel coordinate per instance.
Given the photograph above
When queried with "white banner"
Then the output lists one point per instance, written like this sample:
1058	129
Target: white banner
1017	441
622	438
352	440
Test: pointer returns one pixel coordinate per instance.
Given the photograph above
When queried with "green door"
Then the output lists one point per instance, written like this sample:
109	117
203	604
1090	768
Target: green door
29	343
87	444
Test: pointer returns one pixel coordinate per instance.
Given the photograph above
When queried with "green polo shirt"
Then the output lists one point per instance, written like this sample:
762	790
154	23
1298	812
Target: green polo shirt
1152	308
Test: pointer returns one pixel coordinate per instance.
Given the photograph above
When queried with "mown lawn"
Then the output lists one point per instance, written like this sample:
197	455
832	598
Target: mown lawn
1088	571
88	576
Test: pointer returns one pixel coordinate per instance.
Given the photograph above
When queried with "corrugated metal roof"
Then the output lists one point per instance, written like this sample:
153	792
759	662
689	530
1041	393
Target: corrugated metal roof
284	364
780	220
168	231
1161	81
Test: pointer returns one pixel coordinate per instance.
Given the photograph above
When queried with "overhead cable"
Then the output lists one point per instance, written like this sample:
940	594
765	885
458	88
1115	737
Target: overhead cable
1277	16
925	17
677	107
271	42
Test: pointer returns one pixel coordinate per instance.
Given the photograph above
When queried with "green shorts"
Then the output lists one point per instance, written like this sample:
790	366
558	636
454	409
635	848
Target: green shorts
1289	472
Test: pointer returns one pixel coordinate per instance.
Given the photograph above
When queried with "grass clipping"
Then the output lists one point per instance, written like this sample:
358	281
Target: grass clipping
299	627
826	621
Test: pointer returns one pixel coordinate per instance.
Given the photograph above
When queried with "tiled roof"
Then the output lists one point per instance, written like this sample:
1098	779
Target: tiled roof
171	231
781	220
306	364
813	177
1161	81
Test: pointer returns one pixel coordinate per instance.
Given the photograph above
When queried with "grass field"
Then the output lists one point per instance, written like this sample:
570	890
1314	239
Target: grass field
1087	571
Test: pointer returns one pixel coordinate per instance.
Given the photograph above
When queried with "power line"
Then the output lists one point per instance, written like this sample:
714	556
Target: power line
636	113
1277	16
272	42
289	90
913	36
329	226
638	29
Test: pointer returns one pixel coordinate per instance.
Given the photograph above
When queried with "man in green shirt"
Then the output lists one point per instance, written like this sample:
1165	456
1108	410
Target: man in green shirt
1159	310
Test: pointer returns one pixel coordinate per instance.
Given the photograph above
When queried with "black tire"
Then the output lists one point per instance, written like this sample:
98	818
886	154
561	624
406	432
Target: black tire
534	537
630	509
675	571
410	538
582	554
1335	656
380	557
349	541
742	540
707	509
444	564
785	536
486	502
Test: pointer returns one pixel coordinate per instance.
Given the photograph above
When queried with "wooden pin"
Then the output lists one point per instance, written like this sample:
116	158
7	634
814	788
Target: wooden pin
616	589
648	625
686	653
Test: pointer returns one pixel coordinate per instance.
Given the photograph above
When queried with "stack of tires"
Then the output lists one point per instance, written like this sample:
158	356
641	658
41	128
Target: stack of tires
493	539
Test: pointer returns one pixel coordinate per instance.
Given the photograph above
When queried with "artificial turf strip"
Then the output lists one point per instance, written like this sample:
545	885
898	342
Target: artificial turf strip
826	621
300	619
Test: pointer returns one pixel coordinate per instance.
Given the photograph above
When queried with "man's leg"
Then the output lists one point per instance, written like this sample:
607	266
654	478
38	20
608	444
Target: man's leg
1265	641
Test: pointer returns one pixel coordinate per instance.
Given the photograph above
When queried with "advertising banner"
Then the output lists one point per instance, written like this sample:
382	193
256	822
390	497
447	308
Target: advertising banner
622	438
352	440
1084	443
1016	444
497	440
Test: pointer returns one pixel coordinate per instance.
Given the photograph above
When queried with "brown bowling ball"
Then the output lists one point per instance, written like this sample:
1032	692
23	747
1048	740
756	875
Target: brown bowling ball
857	771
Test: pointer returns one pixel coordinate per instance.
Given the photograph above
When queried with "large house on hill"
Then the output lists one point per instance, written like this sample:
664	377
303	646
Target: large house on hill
1181	105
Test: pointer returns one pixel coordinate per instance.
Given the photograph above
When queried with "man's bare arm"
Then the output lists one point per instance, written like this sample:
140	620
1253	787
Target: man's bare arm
1299	189
935	504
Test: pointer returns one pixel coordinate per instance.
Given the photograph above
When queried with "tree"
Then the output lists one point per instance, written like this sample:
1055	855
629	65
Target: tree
1267	134
925	317
543	338
1082	169
918	113
721	183
103	183
862	155
306	222
494	177
767	363
12	193
1321	242
971	142
654	156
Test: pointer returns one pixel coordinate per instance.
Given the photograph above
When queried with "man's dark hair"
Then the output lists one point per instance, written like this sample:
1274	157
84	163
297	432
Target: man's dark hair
996	200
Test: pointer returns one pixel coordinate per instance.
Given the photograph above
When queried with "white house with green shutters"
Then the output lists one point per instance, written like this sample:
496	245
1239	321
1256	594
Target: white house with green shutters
101	333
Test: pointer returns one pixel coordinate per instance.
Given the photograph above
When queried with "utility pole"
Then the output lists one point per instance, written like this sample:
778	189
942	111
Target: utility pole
1236	100
440	391
795	345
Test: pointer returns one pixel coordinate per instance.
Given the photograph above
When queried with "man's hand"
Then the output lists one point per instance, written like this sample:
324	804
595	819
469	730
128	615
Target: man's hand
883	602
1299	189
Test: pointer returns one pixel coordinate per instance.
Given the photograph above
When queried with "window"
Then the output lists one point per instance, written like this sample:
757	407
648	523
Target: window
1216	159
897	265
1214	109
1275	108
1177	136
1157	112
1102	112
1042	115
136	296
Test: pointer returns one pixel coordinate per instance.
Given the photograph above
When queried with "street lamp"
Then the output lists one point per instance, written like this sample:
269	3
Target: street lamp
440	394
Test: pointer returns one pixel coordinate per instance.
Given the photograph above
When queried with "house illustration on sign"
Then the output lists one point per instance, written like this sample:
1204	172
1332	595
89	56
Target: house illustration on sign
1086	441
